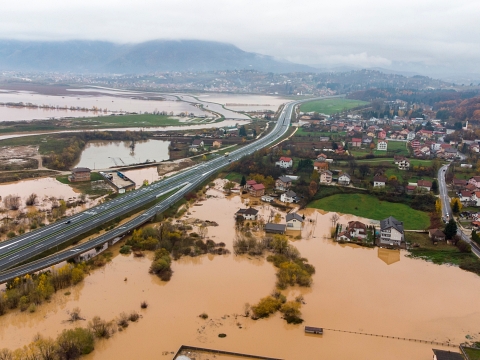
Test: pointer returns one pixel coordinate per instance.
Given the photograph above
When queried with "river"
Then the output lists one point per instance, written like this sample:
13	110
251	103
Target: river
354	289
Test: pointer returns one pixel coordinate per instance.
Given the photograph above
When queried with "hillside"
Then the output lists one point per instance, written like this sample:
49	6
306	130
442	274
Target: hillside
147	57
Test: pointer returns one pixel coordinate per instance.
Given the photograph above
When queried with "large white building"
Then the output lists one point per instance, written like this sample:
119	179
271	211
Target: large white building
391	231
382	145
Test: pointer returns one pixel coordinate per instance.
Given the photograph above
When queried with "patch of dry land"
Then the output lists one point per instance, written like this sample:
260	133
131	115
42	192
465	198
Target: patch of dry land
356	289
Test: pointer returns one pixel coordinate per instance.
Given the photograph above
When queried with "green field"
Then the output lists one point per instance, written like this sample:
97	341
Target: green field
331	106
372	208
473	354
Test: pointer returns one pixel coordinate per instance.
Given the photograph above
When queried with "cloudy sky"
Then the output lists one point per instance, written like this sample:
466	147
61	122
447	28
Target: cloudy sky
392	33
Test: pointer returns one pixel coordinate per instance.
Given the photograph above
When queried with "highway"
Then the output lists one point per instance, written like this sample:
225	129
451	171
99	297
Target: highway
447	210
25	247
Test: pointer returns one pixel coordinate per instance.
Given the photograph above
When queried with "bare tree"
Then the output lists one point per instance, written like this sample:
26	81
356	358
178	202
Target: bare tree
334	219
31	199
203	230
12	202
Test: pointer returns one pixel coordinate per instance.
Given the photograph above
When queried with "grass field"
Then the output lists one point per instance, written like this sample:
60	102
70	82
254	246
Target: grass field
372	208
473	354
331	106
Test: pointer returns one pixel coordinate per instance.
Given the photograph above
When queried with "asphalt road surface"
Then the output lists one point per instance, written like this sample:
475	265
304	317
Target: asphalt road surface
25	247
447	213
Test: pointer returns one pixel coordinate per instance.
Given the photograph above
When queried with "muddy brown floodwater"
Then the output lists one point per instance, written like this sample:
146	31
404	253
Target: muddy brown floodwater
354	289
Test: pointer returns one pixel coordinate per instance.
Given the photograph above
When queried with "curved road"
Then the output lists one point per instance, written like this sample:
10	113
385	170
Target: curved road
447	210
23	248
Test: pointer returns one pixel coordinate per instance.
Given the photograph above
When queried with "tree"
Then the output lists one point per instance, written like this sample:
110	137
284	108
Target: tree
352	164
364	170
450	229
242	132
456	205
228	186
463	246
438	205
31	199
243	182
334	219
12	202
315	176
312	189
435	186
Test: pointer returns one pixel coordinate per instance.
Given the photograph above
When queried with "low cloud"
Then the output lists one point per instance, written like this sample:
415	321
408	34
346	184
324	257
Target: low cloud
358	60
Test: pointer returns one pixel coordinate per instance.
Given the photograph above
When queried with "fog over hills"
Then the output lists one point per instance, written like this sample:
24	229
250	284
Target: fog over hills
80	56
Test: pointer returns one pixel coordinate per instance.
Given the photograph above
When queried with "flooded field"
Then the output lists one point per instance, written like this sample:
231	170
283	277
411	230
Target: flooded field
104	154
103	102
226	123
44	188
245	102
354	289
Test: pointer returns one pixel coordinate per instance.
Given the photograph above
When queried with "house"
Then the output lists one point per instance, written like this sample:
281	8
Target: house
285	162
410	189
257	190
344	179
275	228
197	143
217	144
283	183
249	184
326	177
475	180
379	181
459	183
465	195
289	197
294	221
404	164
367	140
320	166
446	355
398	159
424	184
436	235
411	135
267	198
322	157
247	214
382	145
356	230
80	174
391	231
357	142
382	135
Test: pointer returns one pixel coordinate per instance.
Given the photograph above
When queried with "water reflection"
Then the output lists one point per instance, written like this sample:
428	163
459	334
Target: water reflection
388	256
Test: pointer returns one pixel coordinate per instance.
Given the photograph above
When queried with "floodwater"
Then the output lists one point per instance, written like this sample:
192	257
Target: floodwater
104	154
245	102
226	123
44	187
354	289
130	103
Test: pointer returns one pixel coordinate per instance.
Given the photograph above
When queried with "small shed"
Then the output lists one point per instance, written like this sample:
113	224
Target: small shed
275	228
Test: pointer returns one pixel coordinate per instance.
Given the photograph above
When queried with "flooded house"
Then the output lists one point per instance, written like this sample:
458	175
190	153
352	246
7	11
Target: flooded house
294	221
391	231
80	174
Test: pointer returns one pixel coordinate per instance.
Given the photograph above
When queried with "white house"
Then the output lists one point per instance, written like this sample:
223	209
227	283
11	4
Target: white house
267	198
411	135
289	197
465	196
326	177
391	231
379	181
247	214
344	179
382	145
404	164
285	162
436	146
294	221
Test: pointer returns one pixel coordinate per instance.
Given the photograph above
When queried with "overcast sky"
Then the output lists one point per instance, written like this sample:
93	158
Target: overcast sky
340	32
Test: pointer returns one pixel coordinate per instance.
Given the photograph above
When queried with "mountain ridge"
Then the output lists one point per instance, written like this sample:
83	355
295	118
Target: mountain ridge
84	56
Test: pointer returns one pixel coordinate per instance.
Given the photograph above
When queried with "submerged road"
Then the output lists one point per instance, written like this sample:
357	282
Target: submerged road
447	210
25	247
